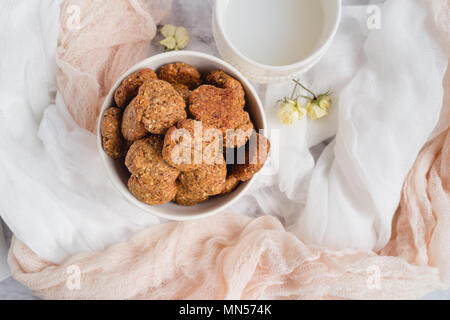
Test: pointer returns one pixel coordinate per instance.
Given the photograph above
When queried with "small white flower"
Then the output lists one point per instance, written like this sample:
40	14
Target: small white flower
168	30
169	43
181	37
315	111
290	112
318	108
325	101
175	37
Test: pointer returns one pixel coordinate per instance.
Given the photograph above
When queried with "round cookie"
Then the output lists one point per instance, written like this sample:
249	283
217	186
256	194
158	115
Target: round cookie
129	87
238	137
180	72
113	143
256	154
222	80
208	179
151	191
230	184
144	157
132	129
185	197
221	109
152	180
183	90
190	144
159	106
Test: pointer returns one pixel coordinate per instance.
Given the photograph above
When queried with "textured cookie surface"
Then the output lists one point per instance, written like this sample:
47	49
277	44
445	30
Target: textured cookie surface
230	184
183	90
222	80
221	109
181	73
145	157
159	106
152	180
256	154
152	191
114	144
129	87
132	129
186	197
207	180
191	144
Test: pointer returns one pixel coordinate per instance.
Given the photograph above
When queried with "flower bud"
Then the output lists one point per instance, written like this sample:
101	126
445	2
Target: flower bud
324	101
175	37
169	43
181	37
315	111
168	30
290	112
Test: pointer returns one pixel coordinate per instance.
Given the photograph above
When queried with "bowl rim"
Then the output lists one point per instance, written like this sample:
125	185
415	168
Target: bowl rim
306	61
177	55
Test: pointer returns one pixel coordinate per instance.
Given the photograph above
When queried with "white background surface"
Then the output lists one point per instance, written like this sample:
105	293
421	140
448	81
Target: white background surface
195	15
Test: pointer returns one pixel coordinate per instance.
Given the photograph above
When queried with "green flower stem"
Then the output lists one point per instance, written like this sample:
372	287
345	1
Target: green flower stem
294	91
298	83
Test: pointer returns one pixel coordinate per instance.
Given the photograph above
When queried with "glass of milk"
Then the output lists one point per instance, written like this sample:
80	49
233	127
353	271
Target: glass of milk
271	40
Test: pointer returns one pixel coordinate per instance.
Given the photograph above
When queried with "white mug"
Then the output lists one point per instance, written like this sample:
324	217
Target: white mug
273	40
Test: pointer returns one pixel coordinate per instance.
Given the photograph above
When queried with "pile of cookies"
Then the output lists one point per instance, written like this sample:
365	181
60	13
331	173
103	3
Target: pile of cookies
174	130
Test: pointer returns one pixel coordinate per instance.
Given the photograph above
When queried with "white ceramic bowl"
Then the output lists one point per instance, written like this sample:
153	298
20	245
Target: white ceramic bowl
262	73
119	174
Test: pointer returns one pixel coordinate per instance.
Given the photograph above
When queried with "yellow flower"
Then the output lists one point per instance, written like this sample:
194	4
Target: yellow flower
169	43
175	37
181	37
315	111
290	112
324	101
168	30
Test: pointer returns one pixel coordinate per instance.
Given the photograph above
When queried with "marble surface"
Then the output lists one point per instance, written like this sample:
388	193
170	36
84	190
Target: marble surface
195	15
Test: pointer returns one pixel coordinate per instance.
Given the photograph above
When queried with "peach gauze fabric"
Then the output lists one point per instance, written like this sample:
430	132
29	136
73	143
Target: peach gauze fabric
232	256
236	257
84	82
